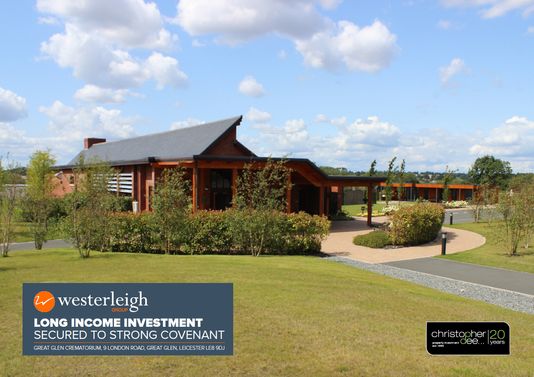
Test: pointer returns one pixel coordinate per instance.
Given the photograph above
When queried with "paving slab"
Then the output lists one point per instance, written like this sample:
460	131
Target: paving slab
339	243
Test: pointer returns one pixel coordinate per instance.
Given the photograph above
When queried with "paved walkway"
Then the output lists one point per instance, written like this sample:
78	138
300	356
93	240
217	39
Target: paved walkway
52	244
339	243
494	277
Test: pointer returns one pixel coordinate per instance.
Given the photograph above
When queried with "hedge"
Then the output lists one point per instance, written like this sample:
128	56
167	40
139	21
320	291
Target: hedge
417	224
376	239
227	232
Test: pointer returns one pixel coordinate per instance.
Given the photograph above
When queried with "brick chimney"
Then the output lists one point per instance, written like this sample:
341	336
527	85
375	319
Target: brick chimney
90	141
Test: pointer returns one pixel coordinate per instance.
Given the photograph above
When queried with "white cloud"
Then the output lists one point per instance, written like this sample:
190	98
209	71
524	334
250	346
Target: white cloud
258	116
339	121
127	23
514	138
49	20
197	43
237	21
67	127
102	39
322	42
321	118
369	48
77	123
370	131
250	87
96	62
166	71
93	61
530	29
93	93
444	24
189	122
12	106
494	8
455	67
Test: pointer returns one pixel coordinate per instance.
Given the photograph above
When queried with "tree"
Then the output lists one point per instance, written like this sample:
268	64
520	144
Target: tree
372	169
390	176
39	190
370	173
492	171
401	177
9	198
260	198
263	188
89	207
171	205
517	209
448	177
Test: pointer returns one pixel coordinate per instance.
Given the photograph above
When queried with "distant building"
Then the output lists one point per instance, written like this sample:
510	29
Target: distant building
432	192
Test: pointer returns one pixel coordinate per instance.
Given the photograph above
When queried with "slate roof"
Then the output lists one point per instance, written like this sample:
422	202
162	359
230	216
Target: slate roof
176	144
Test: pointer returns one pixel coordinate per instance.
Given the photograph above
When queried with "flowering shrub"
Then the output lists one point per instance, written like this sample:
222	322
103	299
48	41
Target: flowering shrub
417	224
390	210
455	204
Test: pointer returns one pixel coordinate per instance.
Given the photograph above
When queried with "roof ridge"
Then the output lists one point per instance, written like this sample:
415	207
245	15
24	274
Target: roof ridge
166	132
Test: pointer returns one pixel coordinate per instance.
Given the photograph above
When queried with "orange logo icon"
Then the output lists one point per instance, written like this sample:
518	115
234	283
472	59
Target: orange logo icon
44	301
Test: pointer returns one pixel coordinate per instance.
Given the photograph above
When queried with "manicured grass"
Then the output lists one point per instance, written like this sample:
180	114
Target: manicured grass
23	233
492	253
294	316
378	208
356	209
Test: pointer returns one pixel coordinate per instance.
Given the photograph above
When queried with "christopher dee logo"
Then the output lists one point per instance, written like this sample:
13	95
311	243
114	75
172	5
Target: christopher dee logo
44	301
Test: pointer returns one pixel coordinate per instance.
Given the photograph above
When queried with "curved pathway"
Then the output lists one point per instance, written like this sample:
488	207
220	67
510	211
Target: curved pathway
339	243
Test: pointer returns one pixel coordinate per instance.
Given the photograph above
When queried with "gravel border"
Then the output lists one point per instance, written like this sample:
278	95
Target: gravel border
517	301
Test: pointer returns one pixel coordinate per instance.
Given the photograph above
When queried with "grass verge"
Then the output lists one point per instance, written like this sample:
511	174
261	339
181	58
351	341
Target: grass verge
492	253
294	316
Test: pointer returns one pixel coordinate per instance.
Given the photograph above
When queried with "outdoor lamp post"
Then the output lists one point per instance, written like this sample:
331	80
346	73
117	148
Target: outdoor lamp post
450	218
443	243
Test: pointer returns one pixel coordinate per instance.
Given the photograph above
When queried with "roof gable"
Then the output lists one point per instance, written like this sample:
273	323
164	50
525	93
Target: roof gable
175	144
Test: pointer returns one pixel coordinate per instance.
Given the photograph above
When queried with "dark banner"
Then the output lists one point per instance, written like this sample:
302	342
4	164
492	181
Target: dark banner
127	319
468	338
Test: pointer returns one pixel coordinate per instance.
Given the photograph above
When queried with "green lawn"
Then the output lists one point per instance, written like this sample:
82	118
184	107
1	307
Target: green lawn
23	233
491	253
356	209
294	316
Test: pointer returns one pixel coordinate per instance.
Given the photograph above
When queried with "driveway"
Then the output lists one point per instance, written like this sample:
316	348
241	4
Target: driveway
517	281
52	244
339	243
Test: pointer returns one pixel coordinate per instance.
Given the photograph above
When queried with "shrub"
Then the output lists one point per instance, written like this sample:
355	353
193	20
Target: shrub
208	232
275	232
257	231
305	233
133	233
417	224
377	239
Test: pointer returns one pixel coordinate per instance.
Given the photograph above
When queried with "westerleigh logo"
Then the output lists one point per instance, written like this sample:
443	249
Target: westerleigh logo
44	301
117	303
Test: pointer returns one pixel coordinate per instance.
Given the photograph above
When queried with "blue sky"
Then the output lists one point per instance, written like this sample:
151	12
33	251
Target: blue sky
340	82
